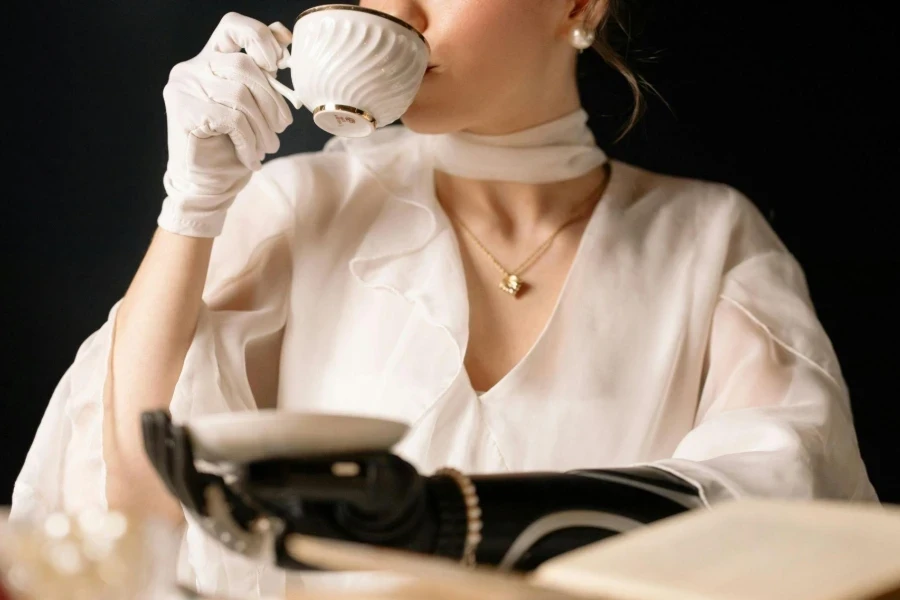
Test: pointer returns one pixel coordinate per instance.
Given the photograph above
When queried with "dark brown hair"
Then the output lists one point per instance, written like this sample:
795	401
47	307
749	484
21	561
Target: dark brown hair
614	19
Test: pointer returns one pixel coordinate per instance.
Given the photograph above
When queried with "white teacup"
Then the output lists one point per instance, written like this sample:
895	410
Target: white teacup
356	69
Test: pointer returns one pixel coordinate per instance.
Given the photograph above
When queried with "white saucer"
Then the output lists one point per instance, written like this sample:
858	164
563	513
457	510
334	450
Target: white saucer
254	435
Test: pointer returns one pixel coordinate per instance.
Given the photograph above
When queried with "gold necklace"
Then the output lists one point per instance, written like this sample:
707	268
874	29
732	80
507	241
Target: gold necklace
512	282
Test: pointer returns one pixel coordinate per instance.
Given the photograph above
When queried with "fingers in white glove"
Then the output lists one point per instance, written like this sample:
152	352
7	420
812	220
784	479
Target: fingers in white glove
246	89
236	32
284	37
206	149
237	126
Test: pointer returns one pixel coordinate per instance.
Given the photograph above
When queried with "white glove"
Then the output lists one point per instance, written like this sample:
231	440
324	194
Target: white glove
223	118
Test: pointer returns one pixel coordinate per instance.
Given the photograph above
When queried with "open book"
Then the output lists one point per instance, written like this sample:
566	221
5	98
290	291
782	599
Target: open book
743	550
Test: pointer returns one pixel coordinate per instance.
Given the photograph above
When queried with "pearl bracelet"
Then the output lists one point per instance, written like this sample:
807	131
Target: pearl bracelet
473	513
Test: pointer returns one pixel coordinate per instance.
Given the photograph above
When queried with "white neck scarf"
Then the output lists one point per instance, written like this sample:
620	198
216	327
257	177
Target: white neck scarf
554	151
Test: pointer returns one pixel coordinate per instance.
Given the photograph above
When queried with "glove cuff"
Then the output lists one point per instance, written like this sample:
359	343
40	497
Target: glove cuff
196	210
176	218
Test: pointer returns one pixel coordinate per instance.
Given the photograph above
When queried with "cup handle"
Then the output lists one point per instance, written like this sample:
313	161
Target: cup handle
285	91
283	63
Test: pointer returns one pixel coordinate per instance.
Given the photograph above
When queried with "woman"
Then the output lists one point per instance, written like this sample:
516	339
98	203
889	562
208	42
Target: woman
484	273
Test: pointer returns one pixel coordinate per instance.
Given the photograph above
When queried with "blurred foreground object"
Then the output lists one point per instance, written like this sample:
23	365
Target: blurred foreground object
430	577
744	550
93	555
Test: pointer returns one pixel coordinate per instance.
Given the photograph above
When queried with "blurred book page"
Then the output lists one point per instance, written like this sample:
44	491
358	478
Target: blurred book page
743	550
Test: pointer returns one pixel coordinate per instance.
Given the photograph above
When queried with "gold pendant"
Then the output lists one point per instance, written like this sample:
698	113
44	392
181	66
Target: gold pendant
511	285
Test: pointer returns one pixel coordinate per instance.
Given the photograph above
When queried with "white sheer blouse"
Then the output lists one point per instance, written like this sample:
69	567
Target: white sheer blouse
684	337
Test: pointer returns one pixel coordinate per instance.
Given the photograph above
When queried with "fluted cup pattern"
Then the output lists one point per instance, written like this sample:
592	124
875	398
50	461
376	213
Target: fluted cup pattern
357	59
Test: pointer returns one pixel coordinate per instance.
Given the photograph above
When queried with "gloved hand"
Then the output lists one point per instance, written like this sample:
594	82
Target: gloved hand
223	118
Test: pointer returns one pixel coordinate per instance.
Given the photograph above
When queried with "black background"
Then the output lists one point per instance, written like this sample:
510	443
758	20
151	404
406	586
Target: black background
790	104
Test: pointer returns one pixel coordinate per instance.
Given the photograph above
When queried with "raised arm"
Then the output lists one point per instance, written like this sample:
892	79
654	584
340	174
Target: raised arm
223	118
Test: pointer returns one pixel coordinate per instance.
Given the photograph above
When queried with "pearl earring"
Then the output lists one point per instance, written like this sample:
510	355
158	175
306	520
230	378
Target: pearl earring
580	37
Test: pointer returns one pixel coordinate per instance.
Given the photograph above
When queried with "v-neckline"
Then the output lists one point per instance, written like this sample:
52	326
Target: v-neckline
598	216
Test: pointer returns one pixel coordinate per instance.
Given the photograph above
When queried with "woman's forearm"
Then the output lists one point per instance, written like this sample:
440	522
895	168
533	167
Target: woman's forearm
154	328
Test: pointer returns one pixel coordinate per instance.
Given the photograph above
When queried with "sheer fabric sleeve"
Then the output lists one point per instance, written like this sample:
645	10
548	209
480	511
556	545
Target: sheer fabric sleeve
232	363
774	417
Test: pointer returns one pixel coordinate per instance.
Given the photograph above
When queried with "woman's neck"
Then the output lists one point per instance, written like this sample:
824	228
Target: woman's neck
514	209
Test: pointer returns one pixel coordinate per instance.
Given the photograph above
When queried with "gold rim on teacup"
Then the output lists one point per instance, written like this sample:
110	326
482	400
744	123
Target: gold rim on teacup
371	11
344	108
